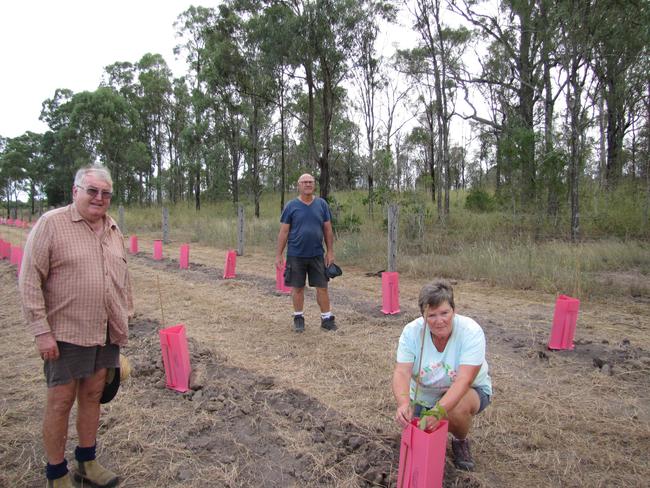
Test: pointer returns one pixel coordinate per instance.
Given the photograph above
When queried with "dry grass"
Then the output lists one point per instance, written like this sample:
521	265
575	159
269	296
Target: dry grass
554	421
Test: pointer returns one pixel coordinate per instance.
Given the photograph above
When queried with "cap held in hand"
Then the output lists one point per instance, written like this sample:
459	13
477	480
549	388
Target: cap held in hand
113	378
332	271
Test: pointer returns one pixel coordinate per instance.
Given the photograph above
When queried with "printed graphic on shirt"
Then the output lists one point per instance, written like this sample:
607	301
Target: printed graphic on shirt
435	378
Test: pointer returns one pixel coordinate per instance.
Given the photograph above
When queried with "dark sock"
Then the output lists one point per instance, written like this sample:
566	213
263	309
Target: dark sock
56	471
83	454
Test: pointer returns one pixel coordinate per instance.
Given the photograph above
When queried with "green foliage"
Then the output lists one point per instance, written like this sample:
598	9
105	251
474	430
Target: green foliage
437	411
343	219
478	200
349	223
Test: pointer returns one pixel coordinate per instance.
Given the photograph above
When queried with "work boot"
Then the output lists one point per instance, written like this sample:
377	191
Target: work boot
95	473
62	482
298	323
462	456
328	323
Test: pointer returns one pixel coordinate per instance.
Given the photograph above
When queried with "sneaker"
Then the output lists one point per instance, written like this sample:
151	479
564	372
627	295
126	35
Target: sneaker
95	473
298	323
62	482
328	323
462	456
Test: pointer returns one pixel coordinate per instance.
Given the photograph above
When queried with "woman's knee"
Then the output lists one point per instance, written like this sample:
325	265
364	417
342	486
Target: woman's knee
468	406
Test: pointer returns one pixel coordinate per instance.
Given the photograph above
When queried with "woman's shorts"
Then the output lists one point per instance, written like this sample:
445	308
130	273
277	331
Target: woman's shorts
76	362
484	401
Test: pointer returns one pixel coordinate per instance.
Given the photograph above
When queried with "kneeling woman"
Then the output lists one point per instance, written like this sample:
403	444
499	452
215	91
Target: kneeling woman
441	360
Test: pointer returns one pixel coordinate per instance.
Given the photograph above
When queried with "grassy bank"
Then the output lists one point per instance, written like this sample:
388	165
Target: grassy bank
505	248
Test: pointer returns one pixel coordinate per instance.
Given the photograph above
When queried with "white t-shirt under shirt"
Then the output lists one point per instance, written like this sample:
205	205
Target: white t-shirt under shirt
466	346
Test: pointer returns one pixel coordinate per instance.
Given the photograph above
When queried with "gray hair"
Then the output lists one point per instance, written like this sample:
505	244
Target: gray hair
99	171
435	294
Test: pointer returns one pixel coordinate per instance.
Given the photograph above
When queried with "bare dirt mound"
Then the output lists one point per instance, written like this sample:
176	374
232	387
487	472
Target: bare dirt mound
246	424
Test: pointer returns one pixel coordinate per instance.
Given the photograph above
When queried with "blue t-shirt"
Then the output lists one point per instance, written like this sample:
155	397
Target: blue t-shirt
306	226
438	369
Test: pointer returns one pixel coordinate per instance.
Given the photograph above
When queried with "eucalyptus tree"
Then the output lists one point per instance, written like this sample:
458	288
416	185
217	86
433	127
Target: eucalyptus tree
551	162
646	106
443	47
622	39
576	24
268	27
179	118
417	153
260	81
370	78
23	156
396	91
12	171
193	27
223	76
322	35
102	120
122	76
413	64
63	147
517	26
154	90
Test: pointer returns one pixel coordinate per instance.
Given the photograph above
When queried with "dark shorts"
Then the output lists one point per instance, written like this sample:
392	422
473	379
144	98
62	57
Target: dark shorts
76	362
299	268
484	401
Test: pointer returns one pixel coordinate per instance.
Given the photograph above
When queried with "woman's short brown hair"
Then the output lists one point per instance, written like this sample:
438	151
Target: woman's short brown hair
436	293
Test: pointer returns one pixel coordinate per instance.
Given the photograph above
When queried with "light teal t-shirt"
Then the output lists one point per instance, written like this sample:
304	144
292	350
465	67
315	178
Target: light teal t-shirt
438	369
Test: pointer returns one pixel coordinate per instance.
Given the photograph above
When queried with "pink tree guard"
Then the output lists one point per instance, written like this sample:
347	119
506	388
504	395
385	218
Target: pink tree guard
176	357
157	250
390	292
564	323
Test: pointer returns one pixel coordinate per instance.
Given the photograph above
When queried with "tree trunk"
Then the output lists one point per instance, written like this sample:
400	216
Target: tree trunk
615	132
602	117
283	169
574	93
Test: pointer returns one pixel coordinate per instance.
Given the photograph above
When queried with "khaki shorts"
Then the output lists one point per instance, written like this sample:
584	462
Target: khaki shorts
76	362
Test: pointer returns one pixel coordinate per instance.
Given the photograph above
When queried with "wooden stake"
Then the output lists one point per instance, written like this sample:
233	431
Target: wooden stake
162	311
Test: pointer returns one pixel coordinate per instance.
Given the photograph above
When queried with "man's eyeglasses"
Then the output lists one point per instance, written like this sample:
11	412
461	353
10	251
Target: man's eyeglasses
93	192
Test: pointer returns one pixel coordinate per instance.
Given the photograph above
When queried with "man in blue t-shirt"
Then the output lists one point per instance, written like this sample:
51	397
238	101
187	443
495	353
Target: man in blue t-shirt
305	222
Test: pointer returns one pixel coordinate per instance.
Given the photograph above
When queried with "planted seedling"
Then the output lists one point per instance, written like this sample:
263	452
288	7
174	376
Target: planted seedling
437	411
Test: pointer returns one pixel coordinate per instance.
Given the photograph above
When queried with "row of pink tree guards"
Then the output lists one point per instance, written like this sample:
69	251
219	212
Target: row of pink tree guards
23	224
565	315
184	256
389	280
13	253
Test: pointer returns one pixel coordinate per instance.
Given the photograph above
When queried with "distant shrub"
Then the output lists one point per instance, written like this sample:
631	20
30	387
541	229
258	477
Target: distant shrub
343	220
479	200
348	223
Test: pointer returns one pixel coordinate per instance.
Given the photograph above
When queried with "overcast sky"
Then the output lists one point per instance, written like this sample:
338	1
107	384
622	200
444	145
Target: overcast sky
50	44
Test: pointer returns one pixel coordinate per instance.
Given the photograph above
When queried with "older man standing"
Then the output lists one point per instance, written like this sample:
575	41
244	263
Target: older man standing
76	296
304	223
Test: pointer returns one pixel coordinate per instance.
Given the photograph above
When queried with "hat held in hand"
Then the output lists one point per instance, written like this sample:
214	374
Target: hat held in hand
332	271
113	378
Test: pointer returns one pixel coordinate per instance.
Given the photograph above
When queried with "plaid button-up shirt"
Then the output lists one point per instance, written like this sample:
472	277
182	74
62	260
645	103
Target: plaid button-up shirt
75	283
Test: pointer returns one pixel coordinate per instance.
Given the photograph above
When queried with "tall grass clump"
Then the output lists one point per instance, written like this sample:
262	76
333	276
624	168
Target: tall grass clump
610	268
